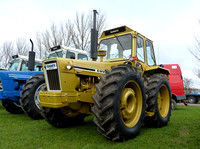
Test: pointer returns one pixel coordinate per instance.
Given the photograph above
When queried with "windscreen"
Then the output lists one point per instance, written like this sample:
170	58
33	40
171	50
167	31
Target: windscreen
24	66
117	47
56	54
82	57
14	65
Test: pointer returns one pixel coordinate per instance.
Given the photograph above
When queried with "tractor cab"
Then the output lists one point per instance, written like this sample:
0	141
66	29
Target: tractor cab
19	63
126	44
68	52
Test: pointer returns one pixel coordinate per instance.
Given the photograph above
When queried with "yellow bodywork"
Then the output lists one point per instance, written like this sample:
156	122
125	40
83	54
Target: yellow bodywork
77	84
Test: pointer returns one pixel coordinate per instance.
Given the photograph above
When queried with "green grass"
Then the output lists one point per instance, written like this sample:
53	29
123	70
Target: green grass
21	132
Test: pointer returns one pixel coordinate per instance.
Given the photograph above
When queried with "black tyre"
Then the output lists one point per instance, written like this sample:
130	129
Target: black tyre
158	101
12	107
62	117
192	100
119	103
30	100
173	104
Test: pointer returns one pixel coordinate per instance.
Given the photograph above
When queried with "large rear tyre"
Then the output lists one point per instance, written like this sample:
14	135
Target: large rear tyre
12	107
158	101
30	100
62	117
119	103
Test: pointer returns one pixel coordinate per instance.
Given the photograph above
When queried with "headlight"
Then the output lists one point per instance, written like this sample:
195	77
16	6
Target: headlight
69	66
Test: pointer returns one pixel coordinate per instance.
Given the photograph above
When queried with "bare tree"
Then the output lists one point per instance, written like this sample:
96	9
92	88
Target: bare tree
187	85
65	32
56	35
39	44
7	53
75	33
81	32
22	46
196	53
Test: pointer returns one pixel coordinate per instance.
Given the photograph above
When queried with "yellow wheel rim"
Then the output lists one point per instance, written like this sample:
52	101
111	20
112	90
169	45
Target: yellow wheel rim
131	104
163	101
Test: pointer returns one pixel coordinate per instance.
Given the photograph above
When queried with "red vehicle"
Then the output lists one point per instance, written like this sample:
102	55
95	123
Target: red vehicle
176	83
177	86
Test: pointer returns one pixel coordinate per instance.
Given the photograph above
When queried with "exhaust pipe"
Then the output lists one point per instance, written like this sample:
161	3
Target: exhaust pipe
94	38
31	58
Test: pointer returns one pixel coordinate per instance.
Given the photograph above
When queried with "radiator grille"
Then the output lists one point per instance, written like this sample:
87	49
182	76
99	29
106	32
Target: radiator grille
53	78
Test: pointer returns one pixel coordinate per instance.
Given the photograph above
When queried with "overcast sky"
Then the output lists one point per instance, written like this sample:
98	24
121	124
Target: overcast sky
171	24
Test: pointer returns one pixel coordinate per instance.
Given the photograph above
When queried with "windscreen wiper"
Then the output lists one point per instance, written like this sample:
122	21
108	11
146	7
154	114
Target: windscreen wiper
119	42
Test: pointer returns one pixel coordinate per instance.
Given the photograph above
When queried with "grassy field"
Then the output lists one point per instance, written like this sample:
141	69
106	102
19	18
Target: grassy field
20	132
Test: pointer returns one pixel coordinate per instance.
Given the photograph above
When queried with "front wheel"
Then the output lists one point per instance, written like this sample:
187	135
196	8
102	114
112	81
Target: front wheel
62	117
12	107
119	103
158	101
30	100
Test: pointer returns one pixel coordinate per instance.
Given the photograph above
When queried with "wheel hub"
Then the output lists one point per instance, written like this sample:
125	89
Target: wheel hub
131	104
42	87
128	103
163	101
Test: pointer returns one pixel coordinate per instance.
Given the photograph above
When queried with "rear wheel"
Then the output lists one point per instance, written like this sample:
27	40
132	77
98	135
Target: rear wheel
119	103
12	107
158	101
62	117
30	100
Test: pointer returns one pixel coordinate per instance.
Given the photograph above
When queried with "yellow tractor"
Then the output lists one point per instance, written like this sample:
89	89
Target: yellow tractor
124	88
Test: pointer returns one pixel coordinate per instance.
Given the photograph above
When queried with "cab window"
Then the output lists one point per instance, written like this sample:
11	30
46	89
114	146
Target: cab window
82	57
70	55
151	61
14	65
117	47
56	54
24	66
140	48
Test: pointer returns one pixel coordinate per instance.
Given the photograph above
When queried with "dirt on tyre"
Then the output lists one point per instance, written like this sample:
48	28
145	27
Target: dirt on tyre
30	100
62	117
12	107
158	101
119	103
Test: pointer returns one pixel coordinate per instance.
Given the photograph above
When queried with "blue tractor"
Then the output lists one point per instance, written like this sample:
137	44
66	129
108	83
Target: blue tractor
21	68
12	80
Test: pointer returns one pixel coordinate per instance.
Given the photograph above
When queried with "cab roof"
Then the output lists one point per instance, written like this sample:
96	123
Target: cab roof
24	58
62	47
120	31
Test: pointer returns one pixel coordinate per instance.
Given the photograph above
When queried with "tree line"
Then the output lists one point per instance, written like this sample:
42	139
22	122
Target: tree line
72	32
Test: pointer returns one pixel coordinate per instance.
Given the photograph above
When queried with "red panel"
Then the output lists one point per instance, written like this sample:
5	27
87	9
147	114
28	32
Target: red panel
175	79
